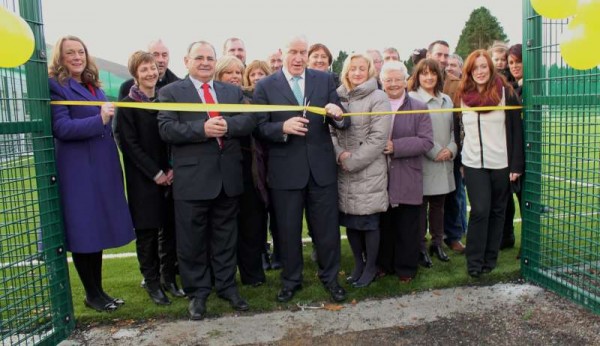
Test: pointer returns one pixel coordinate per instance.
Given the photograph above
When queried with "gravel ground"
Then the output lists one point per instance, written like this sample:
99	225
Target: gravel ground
503	314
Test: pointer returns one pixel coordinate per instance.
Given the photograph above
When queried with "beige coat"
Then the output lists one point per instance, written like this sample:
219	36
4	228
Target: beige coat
363	187
438	177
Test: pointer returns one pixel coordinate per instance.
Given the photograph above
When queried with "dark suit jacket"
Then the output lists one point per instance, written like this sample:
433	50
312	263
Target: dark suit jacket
292	160
201	169
144	155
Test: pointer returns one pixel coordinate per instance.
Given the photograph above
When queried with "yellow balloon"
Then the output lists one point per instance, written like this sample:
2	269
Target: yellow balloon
580	48
589	12
555	9
16	39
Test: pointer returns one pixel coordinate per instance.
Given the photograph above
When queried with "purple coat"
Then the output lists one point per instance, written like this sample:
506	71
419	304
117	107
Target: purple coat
95	211
412	136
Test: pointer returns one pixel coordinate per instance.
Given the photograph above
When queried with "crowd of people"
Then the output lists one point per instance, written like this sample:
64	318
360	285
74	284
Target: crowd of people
205	188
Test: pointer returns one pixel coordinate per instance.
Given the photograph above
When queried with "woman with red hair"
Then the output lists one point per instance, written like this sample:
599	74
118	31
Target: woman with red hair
492	156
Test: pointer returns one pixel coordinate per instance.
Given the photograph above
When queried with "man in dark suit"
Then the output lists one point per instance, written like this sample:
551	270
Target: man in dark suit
302	170
207	179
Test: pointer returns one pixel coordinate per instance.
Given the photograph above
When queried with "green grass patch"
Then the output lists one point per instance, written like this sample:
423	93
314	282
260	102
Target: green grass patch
122	279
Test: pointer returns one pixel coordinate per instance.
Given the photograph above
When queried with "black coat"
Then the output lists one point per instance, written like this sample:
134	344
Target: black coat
144	156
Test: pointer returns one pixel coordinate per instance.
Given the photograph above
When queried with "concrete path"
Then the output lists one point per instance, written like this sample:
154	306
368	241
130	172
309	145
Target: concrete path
408	310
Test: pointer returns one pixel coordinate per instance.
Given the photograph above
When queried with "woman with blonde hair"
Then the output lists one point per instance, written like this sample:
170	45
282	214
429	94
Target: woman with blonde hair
95	211
255	71
362	178
492	157
229	69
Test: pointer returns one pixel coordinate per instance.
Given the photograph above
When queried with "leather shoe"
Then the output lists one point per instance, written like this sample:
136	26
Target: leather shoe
424	260
457	246
474	274
100	305
197	308
287	293
276	265
157	295
439	253
486	270
351	279
507	243
237	302
338	294
173	289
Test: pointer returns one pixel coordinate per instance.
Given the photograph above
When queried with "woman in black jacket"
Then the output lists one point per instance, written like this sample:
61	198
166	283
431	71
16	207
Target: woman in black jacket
492	156
148	175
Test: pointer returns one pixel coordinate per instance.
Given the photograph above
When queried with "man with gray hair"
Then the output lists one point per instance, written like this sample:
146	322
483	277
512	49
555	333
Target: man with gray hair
391	54
165	76
302	170
236	47
455	64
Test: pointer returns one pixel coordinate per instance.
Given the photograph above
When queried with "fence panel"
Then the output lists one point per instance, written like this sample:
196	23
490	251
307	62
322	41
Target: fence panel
561	212
35	296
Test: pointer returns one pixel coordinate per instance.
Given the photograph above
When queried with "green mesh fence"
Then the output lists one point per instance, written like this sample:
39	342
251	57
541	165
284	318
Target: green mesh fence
35	297
561	214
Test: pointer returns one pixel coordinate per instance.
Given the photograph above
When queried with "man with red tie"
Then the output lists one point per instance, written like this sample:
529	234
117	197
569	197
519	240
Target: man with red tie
207	179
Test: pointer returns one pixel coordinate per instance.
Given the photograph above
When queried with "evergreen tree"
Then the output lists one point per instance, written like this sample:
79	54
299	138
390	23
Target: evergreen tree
480	31
338	63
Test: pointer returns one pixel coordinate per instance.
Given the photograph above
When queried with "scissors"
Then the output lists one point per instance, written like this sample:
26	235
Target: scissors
306	104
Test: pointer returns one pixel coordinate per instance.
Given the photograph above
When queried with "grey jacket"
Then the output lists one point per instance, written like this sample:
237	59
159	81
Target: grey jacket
438	177
363	188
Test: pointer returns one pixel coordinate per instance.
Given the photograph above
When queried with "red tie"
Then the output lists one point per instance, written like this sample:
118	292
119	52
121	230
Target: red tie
209	100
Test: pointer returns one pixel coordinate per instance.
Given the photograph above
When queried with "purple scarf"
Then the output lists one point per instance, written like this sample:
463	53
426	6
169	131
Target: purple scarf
474	99
137	95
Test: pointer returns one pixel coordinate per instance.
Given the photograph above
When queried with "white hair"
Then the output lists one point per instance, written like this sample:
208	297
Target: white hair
393	66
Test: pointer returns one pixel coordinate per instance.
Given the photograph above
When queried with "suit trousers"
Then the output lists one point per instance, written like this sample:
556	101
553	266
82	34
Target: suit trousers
252	226
206	240
146	245
488	191
399	240
321	203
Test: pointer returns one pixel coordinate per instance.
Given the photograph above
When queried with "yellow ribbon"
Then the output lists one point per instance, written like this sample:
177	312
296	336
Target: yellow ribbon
251	108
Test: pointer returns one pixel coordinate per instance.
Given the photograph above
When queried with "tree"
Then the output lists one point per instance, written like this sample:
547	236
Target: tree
480	31
338	63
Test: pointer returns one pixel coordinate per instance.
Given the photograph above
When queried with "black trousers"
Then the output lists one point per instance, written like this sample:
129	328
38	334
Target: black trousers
321	203
146	245
206	240
252	226
432	210
399	240
488	191
167	249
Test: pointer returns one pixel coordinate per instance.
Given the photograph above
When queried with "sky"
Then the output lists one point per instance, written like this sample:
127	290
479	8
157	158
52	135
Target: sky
113	29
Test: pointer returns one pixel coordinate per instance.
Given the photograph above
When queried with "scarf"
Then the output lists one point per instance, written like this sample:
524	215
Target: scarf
137	95
474	99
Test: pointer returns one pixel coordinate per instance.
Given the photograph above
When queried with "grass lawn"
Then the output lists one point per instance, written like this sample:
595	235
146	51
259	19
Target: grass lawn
122	279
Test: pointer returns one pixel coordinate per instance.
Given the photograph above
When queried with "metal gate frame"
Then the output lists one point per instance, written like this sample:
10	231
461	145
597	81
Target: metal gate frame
561	211
35	294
